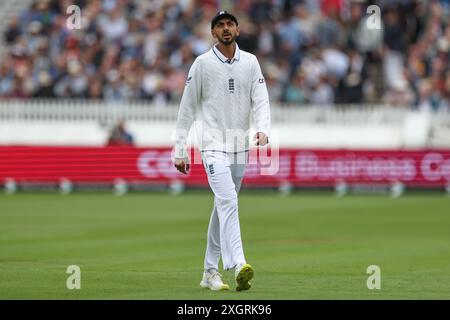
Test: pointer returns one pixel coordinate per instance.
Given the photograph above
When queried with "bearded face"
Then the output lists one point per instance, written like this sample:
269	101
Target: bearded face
225	31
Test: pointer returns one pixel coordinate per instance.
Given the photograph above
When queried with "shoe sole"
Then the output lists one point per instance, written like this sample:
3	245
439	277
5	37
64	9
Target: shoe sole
243	278
223	287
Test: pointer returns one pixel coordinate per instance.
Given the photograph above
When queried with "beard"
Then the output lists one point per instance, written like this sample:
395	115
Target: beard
227	41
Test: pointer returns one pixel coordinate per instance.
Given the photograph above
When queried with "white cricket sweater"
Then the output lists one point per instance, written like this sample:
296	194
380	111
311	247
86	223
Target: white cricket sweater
220	95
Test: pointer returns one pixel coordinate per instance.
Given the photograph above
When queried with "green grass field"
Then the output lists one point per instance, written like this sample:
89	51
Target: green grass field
151	246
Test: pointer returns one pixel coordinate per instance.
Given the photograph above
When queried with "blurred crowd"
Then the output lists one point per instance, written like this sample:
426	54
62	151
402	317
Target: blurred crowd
318	52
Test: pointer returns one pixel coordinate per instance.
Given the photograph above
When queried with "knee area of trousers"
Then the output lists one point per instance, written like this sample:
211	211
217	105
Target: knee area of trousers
230	200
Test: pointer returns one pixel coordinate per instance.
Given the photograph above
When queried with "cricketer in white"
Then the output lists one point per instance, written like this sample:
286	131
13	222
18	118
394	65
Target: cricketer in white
224	88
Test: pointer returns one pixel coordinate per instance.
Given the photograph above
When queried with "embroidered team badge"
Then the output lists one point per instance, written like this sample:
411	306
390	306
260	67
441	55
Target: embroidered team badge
231	85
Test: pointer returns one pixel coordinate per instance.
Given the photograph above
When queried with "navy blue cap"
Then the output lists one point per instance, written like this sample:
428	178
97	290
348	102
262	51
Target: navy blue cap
220	15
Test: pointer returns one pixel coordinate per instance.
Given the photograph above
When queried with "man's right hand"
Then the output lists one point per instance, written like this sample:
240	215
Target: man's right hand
182	165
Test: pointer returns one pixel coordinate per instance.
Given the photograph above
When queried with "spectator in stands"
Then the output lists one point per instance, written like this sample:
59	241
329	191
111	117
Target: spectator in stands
322	93
45	86
399	95
296	91
13	31
427	101
120	136
350	88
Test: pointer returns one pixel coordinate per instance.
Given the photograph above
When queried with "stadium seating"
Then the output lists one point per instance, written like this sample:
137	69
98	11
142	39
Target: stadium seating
312	52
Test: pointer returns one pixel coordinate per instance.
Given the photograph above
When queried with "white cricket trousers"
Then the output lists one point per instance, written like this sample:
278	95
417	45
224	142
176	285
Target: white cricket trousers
225	172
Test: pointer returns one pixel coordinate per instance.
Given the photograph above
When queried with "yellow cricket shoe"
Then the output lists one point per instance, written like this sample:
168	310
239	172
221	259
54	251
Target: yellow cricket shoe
244	273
